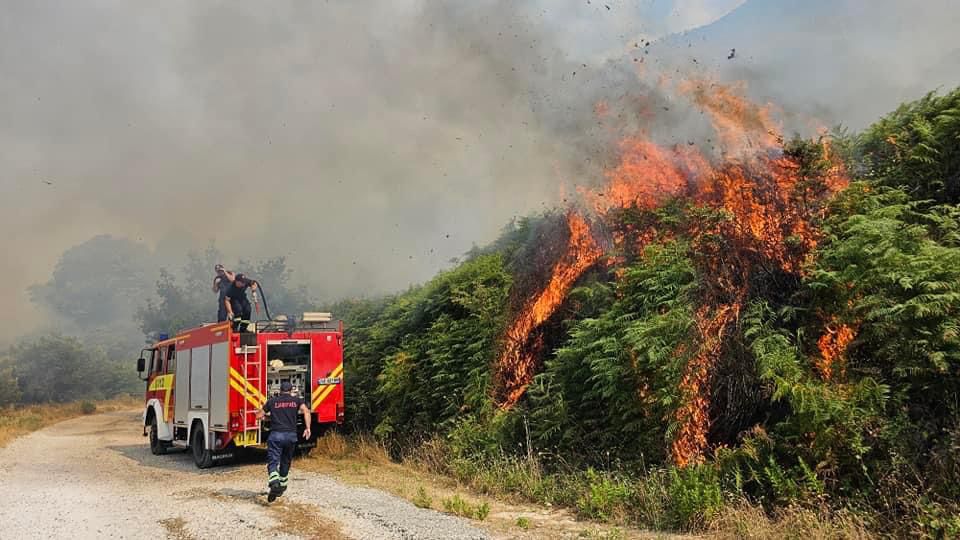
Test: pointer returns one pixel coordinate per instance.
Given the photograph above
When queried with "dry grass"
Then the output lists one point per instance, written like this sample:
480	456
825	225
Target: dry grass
363	461
747	521
18	421
363	448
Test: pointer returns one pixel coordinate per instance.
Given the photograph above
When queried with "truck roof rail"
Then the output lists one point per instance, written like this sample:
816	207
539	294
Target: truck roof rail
291	326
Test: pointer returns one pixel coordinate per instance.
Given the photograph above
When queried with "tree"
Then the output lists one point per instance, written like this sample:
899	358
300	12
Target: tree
98	282
59	369
9	389
275	277
186	299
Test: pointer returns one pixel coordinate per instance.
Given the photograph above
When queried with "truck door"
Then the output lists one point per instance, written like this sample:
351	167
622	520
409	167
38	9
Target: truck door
171	370
219	385
182	387
200	378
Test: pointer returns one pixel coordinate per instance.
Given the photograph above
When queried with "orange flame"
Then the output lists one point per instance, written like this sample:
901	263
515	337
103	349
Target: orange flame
647	175
833	344
519	358
742	126
769	227
693	414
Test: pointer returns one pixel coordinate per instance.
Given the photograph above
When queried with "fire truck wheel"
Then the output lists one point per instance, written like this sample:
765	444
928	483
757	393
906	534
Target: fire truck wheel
201	455
157	447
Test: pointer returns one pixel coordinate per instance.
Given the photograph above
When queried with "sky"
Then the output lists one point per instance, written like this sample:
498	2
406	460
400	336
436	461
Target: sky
369	141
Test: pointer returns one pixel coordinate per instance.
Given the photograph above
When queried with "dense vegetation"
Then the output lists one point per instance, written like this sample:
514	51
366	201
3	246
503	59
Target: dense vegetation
838	389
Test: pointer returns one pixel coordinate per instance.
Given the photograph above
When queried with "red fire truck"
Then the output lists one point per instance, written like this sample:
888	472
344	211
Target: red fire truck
205	384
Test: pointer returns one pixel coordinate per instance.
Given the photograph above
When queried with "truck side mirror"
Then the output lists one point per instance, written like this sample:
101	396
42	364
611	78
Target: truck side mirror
141	364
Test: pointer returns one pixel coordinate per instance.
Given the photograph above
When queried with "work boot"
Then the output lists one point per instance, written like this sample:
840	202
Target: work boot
275	491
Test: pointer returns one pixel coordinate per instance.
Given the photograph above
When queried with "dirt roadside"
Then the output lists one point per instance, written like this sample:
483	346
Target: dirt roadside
94	477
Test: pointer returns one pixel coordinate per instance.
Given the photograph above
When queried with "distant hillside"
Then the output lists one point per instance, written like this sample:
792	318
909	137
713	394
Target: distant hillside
837	61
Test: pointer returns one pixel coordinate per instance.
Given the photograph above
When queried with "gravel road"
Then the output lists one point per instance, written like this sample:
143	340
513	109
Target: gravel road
94	477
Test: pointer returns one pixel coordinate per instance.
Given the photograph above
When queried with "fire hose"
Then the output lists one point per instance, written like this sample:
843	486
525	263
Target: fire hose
266	308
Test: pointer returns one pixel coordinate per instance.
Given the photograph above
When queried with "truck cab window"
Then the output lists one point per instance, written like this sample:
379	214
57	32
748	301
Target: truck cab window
151	357
171	359
157	361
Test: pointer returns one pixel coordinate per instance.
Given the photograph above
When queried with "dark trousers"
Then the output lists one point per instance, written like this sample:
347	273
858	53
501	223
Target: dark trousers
241	307
221	309
280	446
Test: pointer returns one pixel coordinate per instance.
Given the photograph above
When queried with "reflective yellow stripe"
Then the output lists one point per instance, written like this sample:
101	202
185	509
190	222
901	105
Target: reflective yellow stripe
335	373
249	397
323	396
165	383
166	401
322	392
236	376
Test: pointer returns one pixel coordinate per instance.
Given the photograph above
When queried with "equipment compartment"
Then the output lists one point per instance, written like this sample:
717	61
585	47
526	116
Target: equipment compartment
288	360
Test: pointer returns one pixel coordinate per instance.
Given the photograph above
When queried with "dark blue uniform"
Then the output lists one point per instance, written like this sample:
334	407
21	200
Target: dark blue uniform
222	286
237	295
283	410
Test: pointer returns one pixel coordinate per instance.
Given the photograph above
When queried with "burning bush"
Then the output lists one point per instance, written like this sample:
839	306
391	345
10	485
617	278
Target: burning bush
746	314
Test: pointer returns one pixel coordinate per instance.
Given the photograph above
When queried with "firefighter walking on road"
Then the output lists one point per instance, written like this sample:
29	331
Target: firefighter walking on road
283	409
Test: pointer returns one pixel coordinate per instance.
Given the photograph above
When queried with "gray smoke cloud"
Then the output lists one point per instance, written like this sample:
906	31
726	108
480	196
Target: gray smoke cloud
369	141
825	62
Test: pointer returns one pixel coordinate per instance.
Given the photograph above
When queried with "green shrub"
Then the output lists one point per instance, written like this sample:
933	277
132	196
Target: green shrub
459	506
695	495
650	501
935	520
88	407
483	510
605	497
422	500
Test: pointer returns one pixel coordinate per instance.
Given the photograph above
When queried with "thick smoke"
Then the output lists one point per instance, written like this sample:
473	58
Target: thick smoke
368	141
827	62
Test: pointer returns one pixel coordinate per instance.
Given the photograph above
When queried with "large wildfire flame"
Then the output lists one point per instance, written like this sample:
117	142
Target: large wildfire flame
771	228
518	361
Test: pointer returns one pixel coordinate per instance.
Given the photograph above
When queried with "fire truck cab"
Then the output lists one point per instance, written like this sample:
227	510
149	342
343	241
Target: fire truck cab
204	385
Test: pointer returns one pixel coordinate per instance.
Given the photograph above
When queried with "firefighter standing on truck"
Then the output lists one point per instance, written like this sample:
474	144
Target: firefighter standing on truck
283	409
222	282
235	300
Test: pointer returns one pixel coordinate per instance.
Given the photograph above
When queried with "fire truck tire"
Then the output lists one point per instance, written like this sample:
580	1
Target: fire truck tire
157	447
202	456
